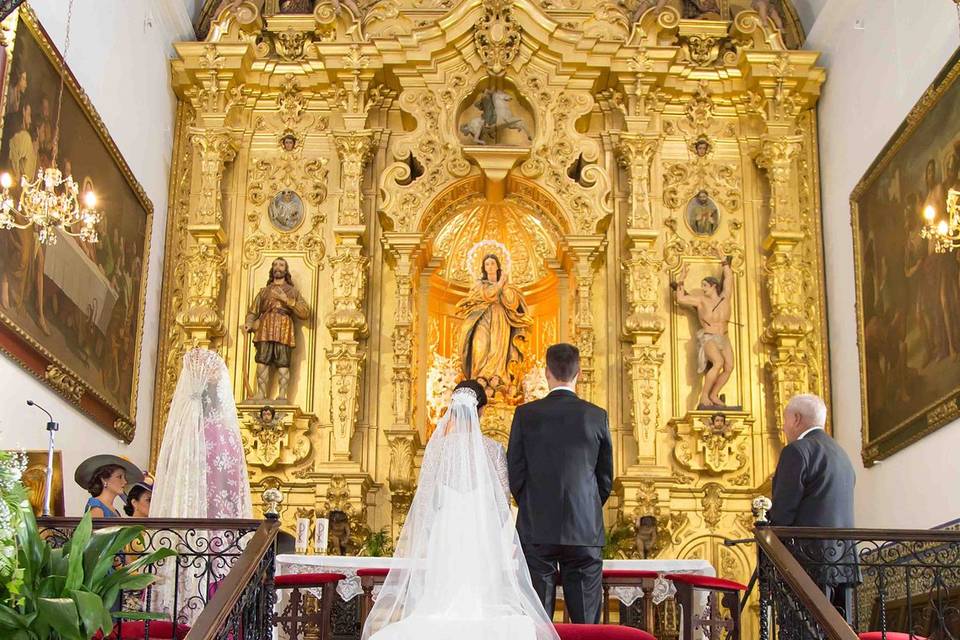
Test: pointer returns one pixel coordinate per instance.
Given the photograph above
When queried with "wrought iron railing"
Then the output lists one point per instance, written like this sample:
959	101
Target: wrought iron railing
881	581
243	606
212	556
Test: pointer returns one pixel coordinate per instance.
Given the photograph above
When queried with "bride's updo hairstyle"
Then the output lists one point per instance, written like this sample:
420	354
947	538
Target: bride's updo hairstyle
474	386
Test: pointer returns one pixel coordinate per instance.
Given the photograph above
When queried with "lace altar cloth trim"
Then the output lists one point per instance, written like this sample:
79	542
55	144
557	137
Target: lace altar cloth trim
349	588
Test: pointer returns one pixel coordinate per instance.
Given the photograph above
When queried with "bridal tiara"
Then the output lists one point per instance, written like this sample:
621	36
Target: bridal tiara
465	393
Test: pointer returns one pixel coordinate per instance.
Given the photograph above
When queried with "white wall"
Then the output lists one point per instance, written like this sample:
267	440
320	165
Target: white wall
119	52
875	76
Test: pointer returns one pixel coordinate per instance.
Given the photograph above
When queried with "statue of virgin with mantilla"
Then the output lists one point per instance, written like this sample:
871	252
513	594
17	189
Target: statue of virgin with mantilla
494	314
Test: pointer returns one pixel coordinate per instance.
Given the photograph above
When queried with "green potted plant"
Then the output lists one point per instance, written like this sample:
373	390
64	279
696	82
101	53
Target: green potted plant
65	593
377	544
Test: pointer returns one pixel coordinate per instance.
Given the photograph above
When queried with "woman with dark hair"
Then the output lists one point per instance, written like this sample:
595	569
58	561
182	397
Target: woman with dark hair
104	477
494	315
138	498
459	569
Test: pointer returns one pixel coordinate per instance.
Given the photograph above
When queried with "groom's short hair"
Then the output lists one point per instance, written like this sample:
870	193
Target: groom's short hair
563	361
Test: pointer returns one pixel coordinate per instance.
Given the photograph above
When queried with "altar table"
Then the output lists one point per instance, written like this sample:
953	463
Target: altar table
350	587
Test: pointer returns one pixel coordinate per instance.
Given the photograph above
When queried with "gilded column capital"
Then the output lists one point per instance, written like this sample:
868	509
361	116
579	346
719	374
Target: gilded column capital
778	157
636	153
213	149
354	149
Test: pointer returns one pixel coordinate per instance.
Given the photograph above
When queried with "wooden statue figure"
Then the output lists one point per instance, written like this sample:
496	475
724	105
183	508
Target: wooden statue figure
714	350
270	320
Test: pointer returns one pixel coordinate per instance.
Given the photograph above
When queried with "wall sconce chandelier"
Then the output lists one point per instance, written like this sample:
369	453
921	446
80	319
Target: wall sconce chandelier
51	201
945	233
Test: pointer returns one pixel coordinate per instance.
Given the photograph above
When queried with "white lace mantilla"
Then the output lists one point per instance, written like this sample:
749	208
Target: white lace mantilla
350	588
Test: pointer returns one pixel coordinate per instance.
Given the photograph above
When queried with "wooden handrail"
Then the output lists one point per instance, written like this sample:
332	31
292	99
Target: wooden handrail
803	587
151	523
217	610
866	535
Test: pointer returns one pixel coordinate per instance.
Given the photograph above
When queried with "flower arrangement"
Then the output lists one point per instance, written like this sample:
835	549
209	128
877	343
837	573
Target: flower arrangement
12	495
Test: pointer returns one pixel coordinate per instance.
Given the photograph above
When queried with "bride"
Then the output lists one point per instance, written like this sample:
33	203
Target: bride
458	570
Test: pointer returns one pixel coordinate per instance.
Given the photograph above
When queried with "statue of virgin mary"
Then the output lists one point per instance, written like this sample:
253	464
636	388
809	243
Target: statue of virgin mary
494	314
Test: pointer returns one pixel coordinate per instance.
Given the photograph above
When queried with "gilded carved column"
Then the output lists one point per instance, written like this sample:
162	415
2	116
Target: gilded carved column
348	323
402	435
641	269
204	263
583	252
789	324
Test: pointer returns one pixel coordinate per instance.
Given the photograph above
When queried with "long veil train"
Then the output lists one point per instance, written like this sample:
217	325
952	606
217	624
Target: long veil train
201	473
458	567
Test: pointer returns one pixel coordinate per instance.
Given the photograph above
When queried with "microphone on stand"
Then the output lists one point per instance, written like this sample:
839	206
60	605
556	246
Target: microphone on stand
52	428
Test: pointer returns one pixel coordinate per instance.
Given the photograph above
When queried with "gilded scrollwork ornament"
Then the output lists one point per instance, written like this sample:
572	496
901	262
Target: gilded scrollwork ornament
63	382
496	36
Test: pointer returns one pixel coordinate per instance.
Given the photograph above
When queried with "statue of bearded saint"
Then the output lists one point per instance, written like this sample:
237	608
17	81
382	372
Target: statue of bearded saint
494	314
270	320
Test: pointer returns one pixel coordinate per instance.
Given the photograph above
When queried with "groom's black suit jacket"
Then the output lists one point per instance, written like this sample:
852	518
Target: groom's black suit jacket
560	465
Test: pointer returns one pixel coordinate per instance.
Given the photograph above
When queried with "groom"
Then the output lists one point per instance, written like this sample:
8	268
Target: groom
560	464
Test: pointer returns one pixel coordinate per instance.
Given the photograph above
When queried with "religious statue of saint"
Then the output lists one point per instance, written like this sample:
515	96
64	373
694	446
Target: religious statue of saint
494	315
714	351
703	215
270	320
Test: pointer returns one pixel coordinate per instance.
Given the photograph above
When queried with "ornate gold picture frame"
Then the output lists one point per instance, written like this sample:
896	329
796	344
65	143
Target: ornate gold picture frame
908	296
71	313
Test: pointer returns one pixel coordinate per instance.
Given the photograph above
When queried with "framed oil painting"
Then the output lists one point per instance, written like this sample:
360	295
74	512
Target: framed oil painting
908	296
71	313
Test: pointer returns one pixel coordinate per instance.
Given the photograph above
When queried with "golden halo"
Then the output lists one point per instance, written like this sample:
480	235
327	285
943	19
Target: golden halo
476	253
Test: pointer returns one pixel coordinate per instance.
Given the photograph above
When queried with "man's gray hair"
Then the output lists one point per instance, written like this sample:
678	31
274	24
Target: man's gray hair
810	407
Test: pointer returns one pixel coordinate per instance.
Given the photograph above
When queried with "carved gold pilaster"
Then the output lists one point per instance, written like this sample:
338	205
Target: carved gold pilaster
636	153
643	327
213	149
789	324
402	435
583	252
347	322
354	149
202	269
778	156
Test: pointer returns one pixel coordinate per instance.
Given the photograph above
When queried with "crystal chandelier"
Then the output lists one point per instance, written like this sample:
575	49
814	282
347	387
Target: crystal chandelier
51	201
945	233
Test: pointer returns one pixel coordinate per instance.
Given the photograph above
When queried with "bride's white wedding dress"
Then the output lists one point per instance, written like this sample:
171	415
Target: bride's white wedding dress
458	569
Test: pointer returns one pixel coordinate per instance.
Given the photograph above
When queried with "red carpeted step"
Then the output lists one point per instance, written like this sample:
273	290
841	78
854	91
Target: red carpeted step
600	632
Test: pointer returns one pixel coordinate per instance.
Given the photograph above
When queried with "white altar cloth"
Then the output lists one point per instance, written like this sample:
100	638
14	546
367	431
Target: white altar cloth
350	587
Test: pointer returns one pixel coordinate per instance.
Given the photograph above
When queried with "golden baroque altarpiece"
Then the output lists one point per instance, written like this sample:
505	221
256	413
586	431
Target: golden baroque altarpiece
351	145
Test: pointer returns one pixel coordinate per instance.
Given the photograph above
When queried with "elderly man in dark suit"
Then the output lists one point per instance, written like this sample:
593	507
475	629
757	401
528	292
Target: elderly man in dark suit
813	487
560	465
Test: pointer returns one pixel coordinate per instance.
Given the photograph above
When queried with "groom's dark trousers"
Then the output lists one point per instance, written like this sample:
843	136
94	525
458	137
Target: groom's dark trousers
560	464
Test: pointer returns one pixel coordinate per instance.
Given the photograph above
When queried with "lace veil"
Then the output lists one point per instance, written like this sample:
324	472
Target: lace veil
201	473
458	556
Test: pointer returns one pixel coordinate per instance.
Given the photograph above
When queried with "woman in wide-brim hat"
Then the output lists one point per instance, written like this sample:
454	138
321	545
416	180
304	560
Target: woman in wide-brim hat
104	476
